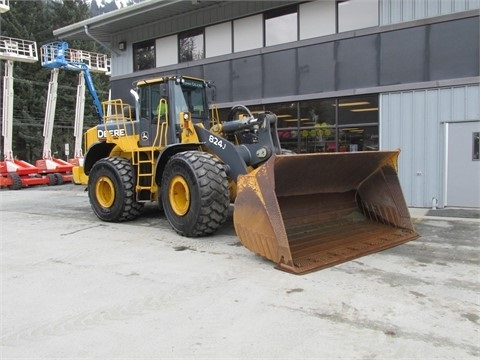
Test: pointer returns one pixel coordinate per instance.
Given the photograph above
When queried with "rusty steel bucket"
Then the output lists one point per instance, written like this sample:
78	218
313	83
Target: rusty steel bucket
308	212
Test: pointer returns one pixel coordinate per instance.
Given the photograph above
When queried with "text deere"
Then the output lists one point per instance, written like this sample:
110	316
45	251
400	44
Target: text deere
101	133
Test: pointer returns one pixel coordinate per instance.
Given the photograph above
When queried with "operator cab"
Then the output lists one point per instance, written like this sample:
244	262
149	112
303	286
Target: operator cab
162	100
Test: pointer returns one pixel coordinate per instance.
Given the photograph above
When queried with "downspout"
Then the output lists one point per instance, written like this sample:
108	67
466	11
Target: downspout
85	27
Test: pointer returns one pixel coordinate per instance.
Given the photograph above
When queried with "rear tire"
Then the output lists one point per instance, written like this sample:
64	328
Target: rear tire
59	178
111	189
194	193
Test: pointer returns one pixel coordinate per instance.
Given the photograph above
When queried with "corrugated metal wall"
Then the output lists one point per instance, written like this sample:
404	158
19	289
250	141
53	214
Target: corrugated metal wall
413	121
397	11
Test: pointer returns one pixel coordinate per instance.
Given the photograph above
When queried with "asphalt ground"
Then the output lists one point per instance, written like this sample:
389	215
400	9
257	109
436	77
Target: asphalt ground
73	287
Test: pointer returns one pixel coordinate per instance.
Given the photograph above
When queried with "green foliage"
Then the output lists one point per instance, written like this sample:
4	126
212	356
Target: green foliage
35	21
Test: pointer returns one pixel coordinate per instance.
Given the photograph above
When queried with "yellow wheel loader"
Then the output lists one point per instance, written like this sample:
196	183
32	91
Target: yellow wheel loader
303	212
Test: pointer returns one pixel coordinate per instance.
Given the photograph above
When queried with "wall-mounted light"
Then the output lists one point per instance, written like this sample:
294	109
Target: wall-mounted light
122	45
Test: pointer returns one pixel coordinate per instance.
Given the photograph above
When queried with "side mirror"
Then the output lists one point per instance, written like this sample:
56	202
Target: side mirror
213	91
163	90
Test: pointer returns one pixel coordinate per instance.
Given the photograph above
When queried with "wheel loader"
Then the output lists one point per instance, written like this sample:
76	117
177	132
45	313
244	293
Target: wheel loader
303	212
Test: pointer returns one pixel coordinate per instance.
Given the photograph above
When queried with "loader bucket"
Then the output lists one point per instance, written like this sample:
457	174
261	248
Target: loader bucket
308	212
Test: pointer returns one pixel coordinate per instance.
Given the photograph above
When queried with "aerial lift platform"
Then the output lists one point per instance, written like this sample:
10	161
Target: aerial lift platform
4	6
15	173
57	55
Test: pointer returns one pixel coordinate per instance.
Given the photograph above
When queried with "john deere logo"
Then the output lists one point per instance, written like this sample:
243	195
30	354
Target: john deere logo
144	135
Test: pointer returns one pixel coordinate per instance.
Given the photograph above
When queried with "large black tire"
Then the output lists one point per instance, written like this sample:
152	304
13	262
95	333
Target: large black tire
194	193
111	189
59	178
52	179
16	181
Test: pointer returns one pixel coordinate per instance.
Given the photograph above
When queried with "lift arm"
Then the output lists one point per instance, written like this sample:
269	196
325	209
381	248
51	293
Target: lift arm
7	111
79	113
55	56
50	114
93	92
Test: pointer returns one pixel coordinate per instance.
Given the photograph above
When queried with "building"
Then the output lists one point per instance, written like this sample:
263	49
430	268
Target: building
341	75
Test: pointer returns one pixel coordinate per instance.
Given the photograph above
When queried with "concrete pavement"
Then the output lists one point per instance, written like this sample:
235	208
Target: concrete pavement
75	287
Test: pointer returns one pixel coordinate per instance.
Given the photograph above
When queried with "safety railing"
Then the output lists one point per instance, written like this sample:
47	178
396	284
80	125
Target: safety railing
18	49
118	125
57	54
116	110
4	6
95	61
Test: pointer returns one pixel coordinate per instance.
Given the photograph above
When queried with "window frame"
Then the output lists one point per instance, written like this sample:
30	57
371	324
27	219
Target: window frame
191	34
306	137
144	45
475	146
277	13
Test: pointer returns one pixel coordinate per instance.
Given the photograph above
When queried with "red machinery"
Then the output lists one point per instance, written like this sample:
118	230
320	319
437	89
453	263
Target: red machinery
15	173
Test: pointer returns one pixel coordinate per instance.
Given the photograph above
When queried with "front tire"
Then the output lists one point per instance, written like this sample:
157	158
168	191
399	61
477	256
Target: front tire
52	179
194	193
111	190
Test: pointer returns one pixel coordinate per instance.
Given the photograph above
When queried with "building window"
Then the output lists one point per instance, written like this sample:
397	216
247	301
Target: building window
357	120
357	110
281	26
288	123
191	45
144	55
317	132
356	14
328	125
476	146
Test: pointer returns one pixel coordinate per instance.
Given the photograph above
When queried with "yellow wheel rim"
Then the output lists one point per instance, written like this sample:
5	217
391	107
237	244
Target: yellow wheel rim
179	195
105	192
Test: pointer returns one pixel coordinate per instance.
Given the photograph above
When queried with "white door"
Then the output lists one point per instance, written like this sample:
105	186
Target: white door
463	164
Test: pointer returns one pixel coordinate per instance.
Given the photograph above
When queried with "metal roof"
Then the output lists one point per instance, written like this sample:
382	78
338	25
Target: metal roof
102	27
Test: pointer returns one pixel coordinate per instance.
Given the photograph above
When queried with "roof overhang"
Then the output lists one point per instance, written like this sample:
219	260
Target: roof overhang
102	27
